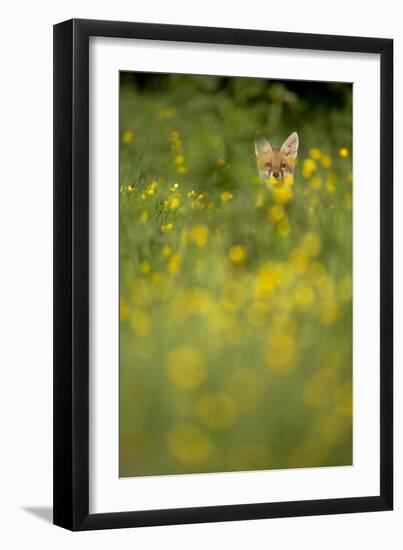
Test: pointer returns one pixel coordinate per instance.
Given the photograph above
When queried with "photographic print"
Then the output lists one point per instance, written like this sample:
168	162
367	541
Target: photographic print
235	274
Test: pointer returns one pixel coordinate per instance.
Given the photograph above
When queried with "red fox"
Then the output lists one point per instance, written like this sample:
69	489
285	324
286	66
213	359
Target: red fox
277	165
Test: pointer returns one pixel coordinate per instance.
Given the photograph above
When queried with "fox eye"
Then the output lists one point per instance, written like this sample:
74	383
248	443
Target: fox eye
283	165
268	164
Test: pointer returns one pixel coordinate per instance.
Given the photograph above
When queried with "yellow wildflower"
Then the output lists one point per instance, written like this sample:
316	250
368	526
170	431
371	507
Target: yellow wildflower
166	227
151	189
199	235
326	161
315	183
288	180
174	203
311	244
276	213
226	196
140	322
175	141
186	367
283	228
282	195
145	266
315	153
237	254
179	160
127	136
144	217
174	264
331	185
308	168
344	152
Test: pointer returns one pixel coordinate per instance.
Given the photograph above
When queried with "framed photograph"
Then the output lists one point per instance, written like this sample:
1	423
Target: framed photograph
223	320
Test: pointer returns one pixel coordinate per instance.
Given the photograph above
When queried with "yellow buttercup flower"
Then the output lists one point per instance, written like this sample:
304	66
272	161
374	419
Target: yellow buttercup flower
283	227
145	266
308	168
199	235
311	244
237	254
175	141
331	185
282	195
151	189
186	367
288	180
315	153
179	160
144	217
174	203
166	227
127	136
174	264
315	183
140	322
326	161
344	152
265	282
226	196
276	213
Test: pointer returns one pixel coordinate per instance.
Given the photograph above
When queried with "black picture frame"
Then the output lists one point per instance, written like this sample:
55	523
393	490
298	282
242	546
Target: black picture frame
71	274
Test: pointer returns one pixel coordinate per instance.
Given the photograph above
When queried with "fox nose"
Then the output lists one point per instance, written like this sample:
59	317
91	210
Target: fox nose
276	175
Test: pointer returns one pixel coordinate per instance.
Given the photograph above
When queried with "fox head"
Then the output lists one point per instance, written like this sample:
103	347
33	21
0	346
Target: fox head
277	163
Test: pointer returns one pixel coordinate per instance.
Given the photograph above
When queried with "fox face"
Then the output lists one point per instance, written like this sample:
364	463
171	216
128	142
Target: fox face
276	164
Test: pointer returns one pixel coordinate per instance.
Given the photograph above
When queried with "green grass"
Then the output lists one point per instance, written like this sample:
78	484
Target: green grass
236	317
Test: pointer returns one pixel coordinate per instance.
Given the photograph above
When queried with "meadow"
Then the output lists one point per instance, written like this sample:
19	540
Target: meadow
235	296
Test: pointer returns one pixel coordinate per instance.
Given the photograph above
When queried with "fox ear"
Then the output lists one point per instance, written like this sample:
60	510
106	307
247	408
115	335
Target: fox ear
262	146
290	146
